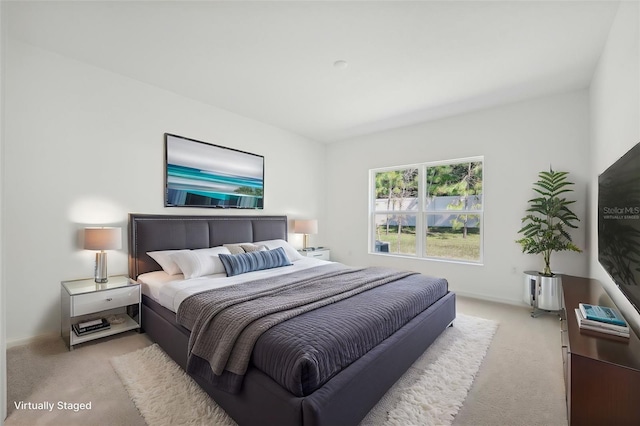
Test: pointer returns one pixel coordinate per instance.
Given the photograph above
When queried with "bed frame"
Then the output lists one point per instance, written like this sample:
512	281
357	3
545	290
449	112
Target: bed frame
345	399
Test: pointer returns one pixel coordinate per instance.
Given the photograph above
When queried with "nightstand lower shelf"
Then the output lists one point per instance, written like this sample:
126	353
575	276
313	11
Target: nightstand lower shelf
129	324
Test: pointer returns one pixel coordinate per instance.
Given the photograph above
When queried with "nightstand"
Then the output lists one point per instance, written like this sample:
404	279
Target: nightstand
85	300
319	253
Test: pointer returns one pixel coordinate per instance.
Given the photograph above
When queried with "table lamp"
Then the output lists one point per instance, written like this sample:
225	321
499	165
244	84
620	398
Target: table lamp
102	239
305	227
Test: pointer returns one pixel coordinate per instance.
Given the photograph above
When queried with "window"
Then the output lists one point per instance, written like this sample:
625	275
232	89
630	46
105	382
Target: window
428	210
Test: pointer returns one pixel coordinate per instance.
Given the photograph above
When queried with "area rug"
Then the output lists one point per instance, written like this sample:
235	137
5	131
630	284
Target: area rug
430	393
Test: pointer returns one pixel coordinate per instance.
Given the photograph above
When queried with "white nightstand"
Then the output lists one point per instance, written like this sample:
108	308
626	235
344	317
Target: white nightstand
85	300
319	253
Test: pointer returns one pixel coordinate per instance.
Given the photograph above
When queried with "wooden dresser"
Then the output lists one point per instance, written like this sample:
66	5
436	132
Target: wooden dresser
602	375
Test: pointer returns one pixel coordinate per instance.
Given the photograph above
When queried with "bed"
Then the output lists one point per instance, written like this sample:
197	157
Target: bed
345	397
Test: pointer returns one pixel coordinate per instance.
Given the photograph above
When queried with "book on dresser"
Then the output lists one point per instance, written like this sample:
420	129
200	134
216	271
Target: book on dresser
603	314
601	327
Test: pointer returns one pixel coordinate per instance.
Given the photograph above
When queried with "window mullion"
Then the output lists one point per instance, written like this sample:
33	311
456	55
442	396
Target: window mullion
420	235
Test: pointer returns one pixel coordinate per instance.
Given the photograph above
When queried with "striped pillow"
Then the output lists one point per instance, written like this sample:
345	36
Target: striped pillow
236	264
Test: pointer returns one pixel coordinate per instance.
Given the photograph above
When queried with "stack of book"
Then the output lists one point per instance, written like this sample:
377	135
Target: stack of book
83	328
601	319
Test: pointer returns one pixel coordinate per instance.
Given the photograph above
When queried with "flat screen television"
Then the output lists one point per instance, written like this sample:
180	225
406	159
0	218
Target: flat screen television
200	174
619	223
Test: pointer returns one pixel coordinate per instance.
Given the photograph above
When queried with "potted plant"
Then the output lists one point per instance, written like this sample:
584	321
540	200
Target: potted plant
545	230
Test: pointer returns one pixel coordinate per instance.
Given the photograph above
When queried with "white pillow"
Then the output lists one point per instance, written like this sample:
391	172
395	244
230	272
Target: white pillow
200	262
165	261
291	252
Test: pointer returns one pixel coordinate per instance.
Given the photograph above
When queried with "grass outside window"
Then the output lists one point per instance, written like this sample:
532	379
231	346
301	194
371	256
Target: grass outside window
443	243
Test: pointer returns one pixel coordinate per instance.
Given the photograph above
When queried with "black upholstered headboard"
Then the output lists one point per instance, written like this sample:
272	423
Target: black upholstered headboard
170	232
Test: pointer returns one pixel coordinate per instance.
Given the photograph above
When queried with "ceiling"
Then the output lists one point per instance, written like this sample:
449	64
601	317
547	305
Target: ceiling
408	62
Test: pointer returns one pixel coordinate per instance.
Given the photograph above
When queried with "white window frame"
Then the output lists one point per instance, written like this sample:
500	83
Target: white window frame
421	212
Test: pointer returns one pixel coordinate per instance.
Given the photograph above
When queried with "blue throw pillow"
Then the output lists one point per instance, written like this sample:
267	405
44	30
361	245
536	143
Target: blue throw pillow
236	264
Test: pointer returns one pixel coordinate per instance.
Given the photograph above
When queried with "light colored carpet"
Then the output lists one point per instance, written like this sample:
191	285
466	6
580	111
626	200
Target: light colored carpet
520	382
47	371
430	393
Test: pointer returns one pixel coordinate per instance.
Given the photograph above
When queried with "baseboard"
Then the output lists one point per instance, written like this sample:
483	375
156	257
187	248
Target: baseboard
514	302
28	340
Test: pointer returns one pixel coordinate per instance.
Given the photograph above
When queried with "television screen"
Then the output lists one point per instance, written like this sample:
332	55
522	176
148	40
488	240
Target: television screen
619	223
199	174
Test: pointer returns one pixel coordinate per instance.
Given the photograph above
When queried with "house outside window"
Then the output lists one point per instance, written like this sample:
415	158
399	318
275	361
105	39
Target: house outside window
428	210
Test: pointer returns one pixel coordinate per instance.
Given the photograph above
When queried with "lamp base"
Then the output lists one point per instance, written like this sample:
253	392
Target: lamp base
100	272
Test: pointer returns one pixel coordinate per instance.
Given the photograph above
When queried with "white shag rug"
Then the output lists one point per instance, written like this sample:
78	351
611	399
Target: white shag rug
430	393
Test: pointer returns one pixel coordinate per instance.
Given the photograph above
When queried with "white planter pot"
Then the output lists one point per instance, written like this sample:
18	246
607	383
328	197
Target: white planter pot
529	286
544	293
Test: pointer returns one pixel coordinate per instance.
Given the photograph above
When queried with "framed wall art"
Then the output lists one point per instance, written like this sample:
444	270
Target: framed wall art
200	174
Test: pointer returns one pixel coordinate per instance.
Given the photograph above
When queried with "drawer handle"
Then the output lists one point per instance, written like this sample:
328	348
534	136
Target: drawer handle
109	299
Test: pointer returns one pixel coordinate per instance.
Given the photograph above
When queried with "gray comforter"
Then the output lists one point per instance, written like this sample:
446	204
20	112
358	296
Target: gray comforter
226	323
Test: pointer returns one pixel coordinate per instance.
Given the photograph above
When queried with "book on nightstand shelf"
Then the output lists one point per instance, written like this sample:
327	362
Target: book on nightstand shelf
91	326
601	327
602	314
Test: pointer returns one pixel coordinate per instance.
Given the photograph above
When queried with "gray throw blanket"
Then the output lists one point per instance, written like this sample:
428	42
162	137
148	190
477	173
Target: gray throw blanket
225	323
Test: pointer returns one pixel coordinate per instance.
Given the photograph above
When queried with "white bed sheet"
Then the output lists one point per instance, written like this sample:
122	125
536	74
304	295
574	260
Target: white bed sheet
152	282
171	294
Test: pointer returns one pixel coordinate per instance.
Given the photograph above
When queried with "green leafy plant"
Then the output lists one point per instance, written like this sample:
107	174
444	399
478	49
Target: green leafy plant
545	226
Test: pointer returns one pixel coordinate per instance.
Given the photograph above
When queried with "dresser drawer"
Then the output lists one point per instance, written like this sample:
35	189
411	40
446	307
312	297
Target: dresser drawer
102	300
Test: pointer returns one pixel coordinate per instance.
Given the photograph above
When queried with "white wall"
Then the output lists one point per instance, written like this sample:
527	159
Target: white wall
85	146
517	142
3	321
615	124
